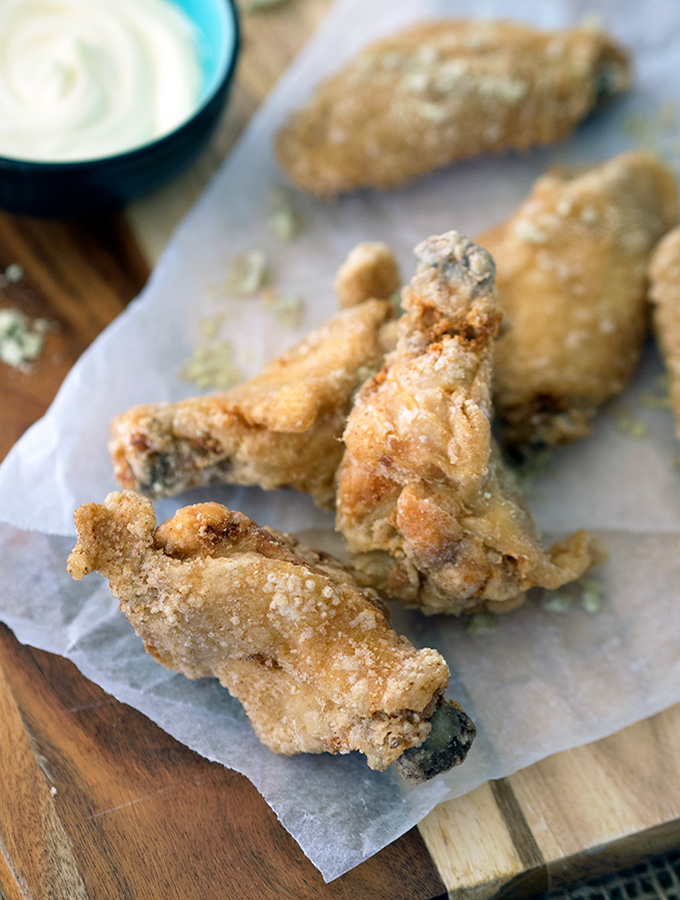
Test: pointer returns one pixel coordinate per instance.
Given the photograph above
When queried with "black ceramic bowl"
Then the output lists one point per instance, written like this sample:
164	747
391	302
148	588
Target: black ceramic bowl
69	189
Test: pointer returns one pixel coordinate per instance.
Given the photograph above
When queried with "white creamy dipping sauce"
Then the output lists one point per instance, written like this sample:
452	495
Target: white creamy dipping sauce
83	79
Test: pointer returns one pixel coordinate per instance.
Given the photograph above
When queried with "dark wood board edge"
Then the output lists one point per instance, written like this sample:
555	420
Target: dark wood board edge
602	862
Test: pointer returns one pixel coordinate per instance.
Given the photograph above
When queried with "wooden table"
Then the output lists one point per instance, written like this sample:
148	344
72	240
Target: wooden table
98	802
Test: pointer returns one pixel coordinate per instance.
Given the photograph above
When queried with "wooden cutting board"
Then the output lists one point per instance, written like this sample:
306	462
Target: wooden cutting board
98	802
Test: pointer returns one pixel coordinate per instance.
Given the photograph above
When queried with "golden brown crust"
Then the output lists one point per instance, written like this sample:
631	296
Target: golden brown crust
279	429
286	630
431	515
441	91
369	272
571	275
664	292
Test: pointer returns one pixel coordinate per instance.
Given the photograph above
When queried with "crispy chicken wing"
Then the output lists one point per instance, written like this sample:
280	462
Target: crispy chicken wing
664	274
441	91
286	630
430	513
571	275
369	272
279	429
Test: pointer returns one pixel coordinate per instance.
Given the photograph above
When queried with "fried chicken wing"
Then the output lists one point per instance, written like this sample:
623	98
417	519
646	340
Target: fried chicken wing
286	630
369	272
571	275
442	91
430	514
281	428
664	274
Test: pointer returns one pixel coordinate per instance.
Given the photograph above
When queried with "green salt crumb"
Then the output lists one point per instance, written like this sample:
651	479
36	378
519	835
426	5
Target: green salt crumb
660	395
287	308
482	623
631	428
650	130
14	273
560	604
248	273
212	367
21	340
285	221
592	594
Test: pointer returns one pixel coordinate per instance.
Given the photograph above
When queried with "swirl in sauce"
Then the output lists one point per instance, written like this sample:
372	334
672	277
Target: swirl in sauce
83	79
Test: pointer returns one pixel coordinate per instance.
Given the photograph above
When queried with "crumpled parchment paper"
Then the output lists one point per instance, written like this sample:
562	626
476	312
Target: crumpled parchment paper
540	682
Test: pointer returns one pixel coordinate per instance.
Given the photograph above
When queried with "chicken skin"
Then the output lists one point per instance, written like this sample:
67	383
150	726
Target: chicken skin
430	513
286	630
664	291
441	91
571	269
279	429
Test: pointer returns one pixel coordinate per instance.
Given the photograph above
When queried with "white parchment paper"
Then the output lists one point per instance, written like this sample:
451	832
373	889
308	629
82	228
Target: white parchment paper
537	684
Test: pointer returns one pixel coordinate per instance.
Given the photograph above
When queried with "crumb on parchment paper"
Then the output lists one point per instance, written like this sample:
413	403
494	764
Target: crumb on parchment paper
285	221
248	273
631	427
214	364
592	594
660	395
482	623
289	309
586	592
557	602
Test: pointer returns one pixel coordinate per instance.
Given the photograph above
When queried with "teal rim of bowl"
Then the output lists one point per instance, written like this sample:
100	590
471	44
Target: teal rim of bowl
217	61
216	29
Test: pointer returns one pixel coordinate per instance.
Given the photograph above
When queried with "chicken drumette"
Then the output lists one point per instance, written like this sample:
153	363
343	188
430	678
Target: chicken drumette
309	654
431	515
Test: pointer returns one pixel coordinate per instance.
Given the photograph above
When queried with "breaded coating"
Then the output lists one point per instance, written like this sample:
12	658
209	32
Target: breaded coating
571	275
664	292
279	429
442	91
286	630
430	513
369	272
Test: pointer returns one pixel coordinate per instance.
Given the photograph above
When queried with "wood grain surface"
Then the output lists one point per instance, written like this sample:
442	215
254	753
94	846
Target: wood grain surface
98	802
79	276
